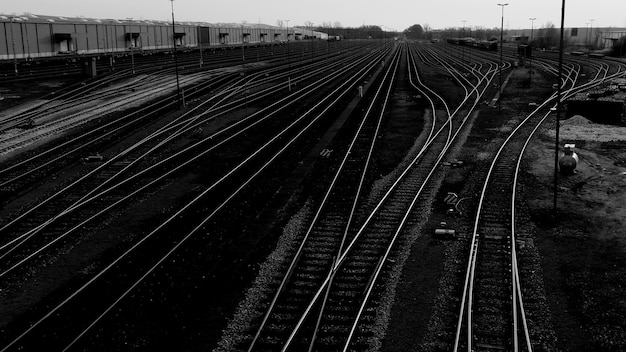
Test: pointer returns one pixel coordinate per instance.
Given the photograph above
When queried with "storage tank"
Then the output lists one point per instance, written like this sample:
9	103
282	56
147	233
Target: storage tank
444	232
569	160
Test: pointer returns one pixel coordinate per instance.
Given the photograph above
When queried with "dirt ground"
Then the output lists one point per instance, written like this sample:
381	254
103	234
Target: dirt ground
575	271
583	256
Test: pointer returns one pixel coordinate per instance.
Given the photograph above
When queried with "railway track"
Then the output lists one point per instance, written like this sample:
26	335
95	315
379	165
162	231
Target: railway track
492	314
330	230
247	170
321	299
330	299
256	86
93	182
157	69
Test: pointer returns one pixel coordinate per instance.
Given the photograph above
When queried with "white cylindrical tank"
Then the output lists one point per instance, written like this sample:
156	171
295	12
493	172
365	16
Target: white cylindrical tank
568	160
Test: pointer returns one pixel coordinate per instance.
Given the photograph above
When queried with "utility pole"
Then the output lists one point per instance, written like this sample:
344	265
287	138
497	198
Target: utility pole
312	38
591	33
200	46
175	58
113	41
327	42
132	46
243	48
530	46
501	48
558	117
470	52
243	65
288	59
13	45
463	46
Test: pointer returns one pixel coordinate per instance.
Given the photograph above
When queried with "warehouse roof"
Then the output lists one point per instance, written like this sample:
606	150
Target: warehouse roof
66	19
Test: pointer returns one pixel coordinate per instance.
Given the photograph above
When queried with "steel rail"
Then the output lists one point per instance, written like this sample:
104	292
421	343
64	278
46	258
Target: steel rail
281	104
400	227
329	100
255	96
184	117
338	94
513	214
294	262
474	244
342	259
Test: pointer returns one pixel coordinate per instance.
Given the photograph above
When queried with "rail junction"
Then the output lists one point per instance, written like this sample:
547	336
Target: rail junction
276	209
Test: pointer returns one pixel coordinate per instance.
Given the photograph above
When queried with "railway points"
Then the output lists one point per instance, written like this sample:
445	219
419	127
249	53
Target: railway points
314	190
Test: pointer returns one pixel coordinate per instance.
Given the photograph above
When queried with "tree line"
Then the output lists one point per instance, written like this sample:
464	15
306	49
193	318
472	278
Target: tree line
546	36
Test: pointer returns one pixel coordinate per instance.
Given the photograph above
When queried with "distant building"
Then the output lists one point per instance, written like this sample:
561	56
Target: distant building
596	38
437	35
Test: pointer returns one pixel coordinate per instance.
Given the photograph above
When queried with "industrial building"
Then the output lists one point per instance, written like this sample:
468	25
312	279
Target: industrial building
29	37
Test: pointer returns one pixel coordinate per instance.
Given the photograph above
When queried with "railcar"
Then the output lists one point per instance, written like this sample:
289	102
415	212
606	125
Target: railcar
480	44
488	45
525	51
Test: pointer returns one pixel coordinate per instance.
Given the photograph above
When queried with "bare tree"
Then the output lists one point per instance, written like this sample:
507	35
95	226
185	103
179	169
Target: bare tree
337	24
309	26
280	23
548	36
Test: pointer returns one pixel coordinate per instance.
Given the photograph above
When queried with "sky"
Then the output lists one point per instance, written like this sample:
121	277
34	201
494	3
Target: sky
389	14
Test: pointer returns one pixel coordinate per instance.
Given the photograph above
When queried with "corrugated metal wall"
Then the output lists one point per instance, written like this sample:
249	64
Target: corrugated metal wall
22	40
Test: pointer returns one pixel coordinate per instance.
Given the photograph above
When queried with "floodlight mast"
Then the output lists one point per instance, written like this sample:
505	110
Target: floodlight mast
175	57
530	46
501	49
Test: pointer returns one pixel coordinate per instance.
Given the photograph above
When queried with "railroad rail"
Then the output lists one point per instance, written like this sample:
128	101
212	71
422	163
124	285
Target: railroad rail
333	291
333	288
292	131
492	307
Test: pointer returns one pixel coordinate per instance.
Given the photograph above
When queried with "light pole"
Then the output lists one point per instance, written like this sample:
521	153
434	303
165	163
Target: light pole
200	46
530	72
243	49
558	117
13	46
175	58
312	38
243	65
288	59
132	46
327	41
463	46
501	48
591	32
469	60
113	41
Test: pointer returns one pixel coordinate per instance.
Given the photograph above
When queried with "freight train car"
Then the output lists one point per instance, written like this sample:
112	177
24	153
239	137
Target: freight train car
487	45
471	42
525	51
